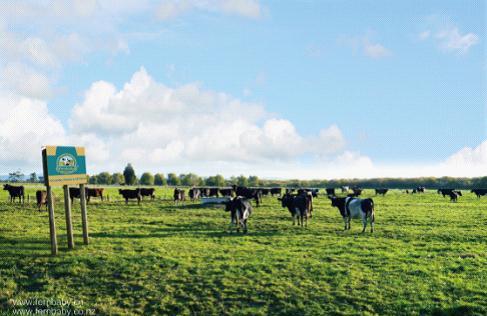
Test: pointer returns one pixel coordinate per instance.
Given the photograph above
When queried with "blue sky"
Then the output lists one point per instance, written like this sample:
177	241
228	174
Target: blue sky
401	84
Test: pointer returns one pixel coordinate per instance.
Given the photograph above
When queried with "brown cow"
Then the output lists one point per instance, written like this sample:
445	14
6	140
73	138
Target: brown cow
41	197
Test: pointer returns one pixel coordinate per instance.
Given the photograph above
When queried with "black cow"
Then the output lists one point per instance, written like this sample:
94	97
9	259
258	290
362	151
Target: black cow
226	192
276	191
15	192
479	192
445	192
330	191
179	195
356	192
381	191
147	192
249	194
265	191
240	210
351	207
130	194
290	190
420	189
314	192
194	194
300	206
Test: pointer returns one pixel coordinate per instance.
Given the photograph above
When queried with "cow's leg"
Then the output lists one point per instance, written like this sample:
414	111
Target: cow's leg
364	222
126	201
372	220
345	221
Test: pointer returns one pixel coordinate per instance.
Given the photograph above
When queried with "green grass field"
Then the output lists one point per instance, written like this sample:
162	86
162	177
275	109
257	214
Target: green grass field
427	257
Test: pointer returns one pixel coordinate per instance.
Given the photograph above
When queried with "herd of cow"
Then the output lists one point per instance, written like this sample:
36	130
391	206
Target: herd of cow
299	202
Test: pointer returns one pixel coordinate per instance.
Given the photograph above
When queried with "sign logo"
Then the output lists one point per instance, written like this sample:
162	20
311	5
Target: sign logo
66	164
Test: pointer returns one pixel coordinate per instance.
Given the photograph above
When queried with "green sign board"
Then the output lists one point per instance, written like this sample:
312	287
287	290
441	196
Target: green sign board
64	165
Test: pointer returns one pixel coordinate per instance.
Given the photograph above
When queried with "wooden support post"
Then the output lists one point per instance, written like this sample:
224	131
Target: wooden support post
69	224
84	216
52	223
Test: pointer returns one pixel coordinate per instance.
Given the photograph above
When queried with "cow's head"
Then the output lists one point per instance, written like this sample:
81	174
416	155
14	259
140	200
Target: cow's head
5	186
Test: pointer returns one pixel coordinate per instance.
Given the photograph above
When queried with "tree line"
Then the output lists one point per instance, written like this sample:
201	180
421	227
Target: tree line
128	177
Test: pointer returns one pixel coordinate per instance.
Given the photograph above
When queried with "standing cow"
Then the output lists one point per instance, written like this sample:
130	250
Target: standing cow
351	207
240	210
179	195
130	194
15	192
300	206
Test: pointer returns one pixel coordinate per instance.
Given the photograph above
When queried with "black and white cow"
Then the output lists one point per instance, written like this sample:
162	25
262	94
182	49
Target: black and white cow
240	210
454	195
351	207
445	192
15	192
179	195
194	194
300	206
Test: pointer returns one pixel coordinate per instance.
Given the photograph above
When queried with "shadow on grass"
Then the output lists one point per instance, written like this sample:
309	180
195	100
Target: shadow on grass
464	310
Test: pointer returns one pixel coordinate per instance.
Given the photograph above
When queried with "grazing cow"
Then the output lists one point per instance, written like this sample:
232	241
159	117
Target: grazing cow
249	193
276	191
194	194
454	195
420	189
15	192
226	192
445	192
240	210
130	194
330	191
300	206
179	195
345	188
351	207
381	191
479	192
41	198
147	192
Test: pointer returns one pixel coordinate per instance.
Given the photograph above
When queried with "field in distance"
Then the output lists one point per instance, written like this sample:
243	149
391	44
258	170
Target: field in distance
427	256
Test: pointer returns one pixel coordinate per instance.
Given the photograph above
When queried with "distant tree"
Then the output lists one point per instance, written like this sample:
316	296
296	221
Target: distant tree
253	181
242	181
190	179
129	175
117	178
15	176
172	179
93	180
147	179
159	179
33	177
217	181
104	178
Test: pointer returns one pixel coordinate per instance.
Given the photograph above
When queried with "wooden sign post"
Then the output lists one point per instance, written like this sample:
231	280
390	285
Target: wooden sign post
63	166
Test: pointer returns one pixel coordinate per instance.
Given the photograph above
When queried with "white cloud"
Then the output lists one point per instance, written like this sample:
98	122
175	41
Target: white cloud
450	39
448	36
366	45
149	121
18	78
169	9
25	126
375	50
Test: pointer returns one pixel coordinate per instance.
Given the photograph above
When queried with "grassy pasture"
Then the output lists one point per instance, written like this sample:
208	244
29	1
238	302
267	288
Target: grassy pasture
427	257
